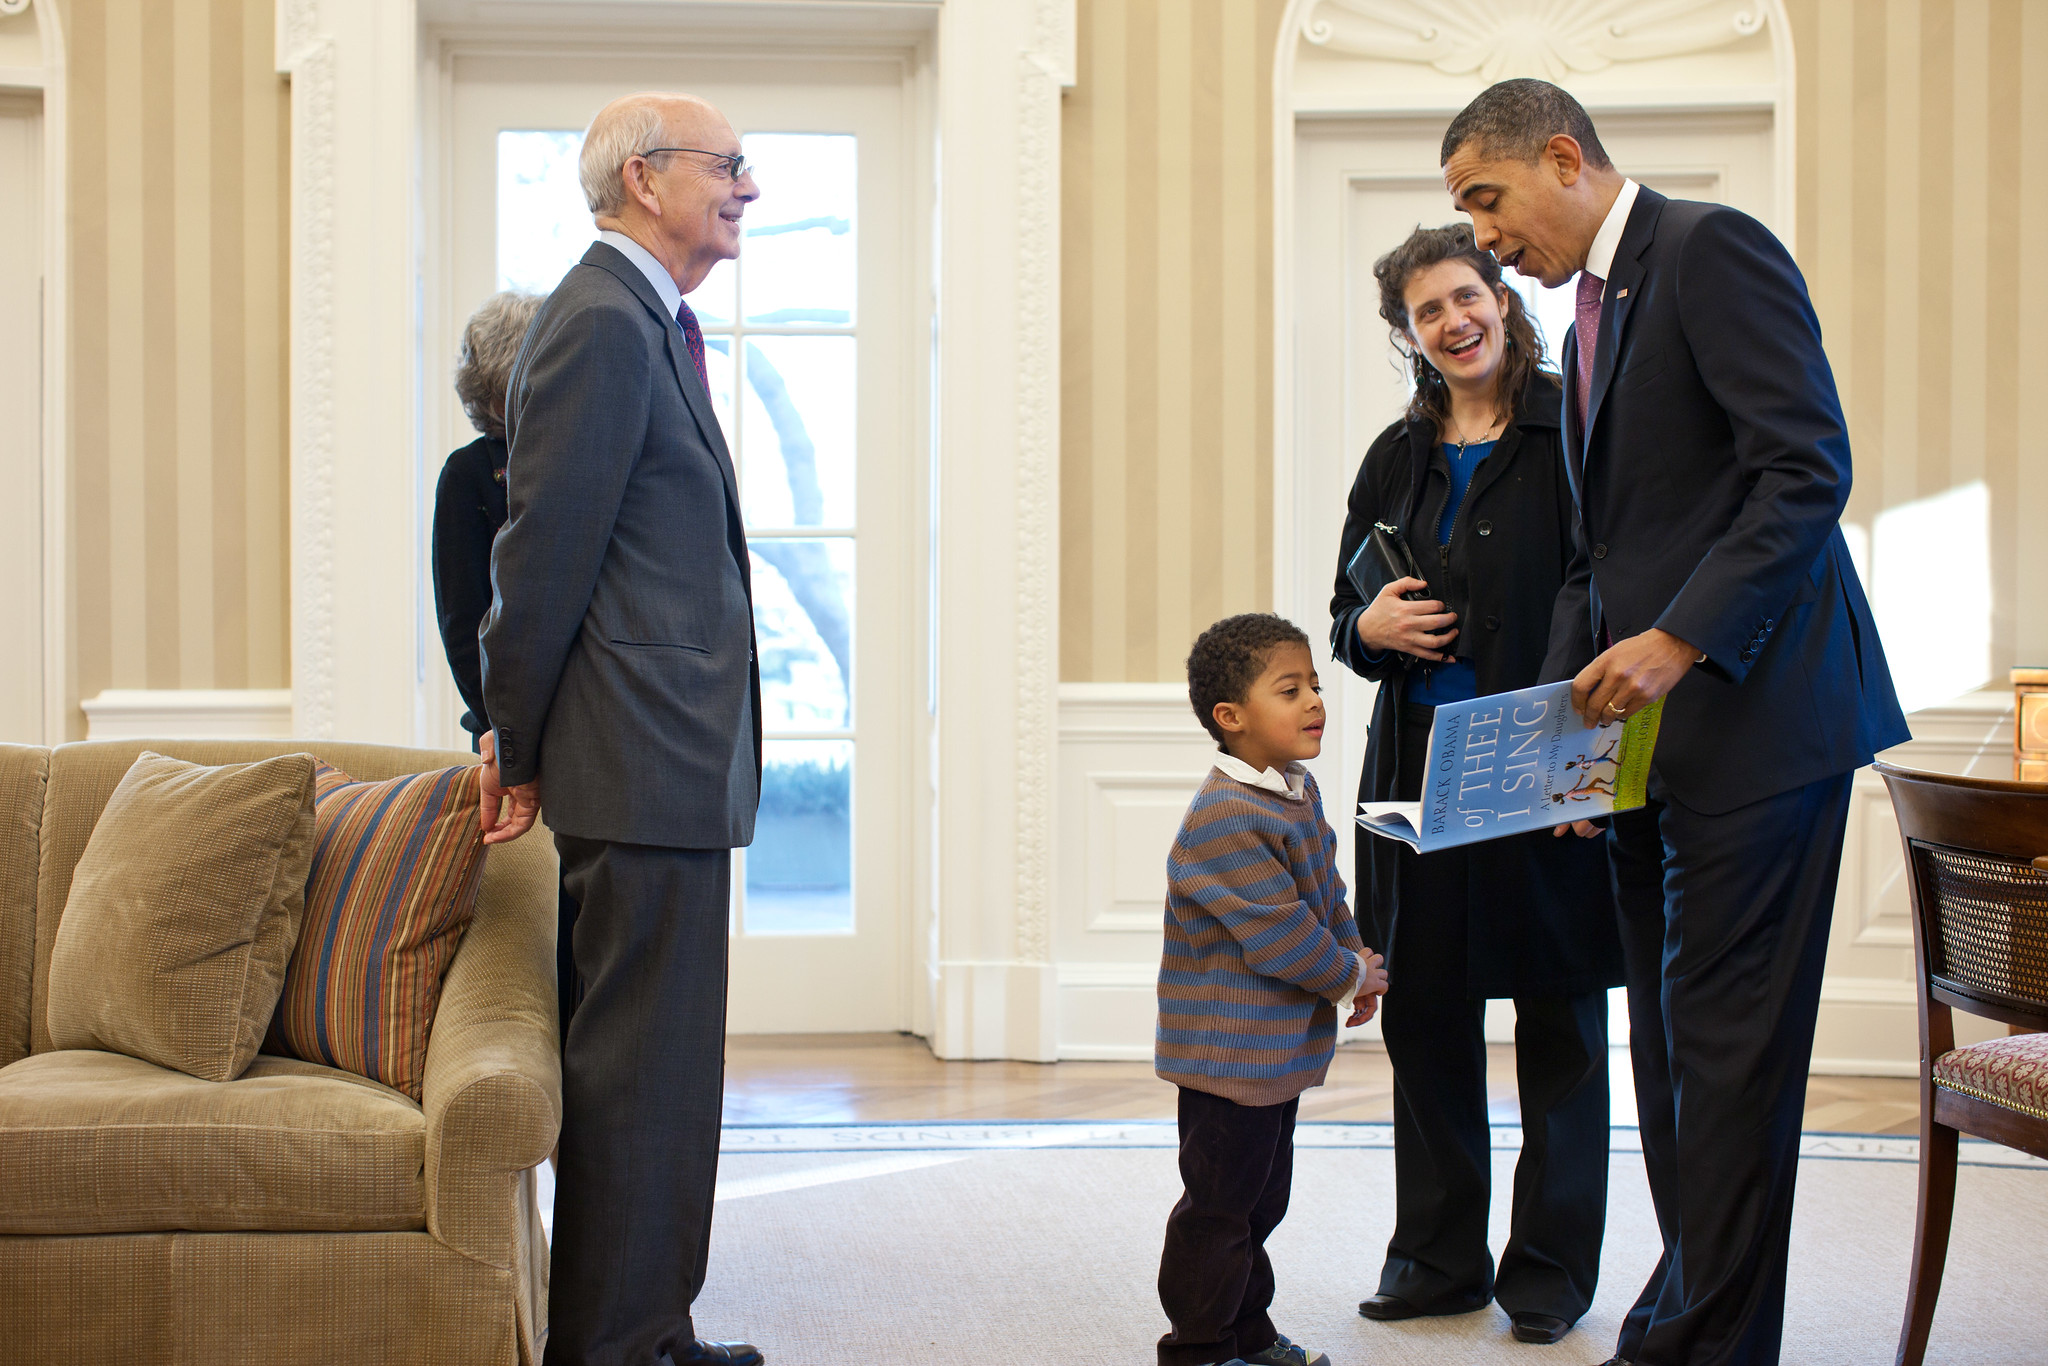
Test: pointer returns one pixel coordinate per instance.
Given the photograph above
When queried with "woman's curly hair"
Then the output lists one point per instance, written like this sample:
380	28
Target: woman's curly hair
1229	657
483	367
1427	247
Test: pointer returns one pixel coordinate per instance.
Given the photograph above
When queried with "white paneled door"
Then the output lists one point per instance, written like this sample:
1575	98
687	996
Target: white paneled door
808	352
21	422
1361	186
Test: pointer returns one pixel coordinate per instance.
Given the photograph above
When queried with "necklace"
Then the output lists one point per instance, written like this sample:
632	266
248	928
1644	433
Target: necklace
1487	434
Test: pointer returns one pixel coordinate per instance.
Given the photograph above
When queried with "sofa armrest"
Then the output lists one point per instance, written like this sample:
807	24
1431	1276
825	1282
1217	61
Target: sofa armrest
493	1085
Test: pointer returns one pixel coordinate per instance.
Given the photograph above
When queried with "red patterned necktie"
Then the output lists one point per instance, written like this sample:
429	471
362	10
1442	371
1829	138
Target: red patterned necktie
1590	288
693	337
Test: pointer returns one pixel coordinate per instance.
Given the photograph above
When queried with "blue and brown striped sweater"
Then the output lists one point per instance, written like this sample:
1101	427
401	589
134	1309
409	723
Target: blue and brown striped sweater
1257	933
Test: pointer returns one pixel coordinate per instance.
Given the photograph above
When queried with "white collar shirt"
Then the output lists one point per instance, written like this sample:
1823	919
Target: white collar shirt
1290	782
656	273
1607	241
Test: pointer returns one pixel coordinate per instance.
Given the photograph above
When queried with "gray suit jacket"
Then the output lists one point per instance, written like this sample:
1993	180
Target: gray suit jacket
618	654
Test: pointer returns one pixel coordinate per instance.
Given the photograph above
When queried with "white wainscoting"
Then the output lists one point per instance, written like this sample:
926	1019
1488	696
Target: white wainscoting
1131	756
1869	1022
189	714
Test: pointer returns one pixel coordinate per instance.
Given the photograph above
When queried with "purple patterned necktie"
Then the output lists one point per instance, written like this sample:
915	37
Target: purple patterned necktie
693	337
1590	288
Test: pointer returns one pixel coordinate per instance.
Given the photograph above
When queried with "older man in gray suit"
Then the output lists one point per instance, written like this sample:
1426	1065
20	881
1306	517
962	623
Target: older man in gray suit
618	663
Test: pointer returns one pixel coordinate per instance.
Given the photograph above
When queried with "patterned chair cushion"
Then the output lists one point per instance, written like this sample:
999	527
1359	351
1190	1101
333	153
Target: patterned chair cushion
2012	1072
394	882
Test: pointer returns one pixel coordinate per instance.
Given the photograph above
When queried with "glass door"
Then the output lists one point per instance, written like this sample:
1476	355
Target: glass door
804	341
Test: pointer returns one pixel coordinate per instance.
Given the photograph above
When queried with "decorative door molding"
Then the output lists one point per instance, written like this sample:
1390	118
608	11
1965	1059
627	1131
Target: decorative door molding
1428	58
989	82
1043	71
306	56
61	718
1551	39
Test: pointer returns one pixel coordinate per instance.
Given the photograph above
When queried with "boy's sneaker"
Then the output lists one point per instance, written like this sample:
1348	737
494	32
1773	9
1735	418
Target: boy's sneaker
1285	1353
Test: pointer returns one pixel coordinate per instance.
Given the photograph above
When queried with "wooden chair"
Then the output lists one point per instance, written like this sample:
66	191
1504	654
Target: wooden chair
1978	877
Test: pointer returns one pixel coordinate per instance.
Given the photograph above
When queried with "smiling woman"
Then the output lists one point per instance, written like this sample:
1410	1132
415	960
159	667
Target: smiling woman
1473	474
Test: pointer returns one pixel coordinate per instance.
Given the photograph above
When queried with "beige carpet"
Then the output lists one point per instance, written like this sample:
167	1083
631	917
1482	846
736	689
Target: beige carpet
887	1251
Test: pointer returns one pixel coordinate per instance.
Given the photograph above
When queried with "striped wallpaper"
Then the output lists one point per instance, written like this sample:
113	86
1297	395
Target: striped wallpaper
179	138
1923	218
1923	226
1922	159
1166	415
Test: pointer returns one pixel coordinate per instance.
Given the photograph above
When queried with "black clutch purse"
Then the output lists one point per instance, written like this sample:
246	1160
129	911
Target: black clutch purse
1383	557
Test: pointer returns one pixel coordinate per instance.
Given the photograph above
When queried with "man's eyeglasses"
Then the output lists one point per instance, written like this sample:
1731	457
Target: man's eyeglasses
735	166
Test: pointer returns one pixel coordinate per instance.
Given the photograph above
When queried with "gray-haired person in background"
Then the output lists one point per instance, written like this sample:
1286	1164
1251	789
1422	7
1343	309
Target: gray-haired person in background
469	502
469	507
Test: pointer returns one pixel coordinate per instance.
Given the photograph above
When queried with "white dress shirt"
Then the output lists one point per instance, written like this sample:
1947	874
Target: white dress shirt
656	273
1607	241
1291	783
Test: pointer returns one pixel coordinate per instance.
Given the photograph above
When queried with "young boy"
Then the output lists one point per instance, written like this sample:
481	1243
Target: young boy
1260	952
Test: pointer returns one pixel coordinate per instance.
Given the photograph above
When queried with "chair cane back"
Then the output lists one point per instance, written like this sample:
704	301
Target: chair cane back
1977	871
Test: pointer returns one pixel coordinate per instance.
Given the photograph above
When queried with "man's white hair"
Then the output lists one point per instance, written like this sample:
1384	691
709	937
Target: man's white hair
621	131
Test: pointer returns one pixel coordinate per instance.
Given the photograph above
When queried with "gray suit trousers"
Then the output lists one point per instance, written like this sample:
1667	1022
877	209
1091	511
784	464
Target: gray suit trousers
643	1074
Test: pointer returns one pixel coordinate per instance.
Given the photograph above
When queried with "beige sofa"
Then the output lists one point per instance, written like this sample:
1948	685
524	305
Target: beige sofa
298	1213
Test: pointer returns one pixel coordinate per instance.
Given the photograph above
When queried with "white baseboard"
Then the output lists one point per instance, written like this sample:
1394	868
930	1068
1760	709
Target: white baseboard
1105	1052
1862	1067
189	714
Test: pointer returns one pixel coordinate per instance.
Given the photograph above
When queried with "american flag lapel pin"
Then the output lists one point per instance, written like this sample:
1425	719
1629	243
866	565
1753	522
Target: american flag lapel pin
1621	294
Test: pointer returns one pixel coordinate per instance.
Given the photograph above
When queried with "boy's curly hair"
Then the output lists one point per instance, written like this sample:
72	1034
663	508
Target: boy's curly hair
1229	657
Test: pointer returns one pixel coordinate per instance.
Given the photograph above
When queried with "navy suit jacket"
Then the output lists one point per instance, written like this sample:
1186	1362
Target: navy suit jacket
618	655
1710	480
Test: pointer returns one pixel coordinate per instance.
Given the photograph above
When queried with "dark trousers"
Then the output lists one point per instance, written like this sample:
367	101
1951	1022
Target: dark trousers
1438	1259
1725	930
642	1081
1215	1280
568	988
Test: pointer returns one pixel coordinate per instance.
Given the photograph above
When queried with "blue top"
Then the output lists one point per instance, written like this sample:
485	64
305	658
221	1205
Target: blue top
1463	460
1458	681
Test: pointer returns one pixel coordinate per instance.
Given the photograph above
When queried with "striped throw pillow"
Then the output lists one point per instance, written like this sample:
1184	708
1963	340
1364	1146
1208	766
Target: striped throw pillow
395	872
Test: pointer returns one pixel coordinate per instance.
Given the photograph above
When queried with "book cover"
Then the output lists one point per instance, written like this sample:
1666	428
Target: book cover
1515	762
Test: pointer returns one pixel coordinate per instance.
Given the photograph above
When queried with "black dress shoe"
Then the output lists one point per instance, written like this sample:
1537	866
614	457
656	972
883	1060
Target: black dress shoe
1617	1361
1544	1328
1389	1308
702	1353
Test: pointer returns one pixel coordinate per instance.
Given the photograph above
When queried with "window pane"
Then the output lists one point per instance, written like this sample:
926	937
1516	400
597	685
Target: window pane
712	300
718	366
803	615
800	865
799	253
543	224
798	465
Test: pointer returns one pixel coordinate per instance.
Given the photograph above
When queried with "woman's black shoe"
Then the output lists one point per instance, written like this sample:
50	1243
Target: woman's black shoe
1543	1328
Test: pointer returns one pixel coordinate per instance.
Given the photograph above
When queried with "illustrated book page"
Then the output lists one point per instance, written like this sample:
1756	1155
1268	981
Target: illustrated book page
1515	762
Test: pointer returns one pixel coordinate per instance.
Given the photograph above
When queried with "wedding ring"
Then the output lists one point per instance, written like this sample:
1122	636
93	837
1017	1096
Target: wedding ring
1616	710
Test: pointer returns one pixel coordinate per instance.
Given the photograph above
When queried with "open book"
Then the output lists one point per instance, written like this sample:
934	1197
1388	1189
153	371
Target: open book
1519	761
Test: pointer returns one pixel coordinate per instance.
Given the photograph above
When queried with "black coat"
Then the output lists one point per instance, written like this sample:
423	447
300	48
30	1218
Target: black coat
1541	918
1712	490
469	507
